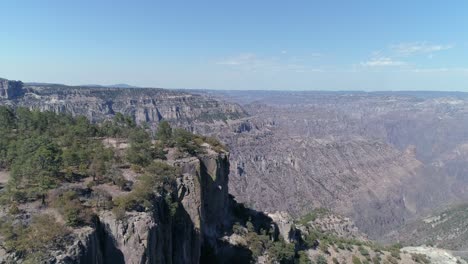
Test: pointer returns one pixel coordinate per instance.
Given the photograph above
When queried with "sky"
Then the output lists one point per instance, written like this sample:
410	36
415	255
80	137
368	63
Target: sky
242	45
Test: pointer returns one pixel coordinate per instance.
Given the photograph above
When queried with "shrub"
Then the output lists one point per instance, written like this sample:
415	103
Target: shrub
376	260
184	141
258	244
280	251
14	209
44	234
164	132
215	144
324	246
313	215
420	258
140	151
119	213
75	214
311	239
356	260
159	152
395	254
341	246
303	258
363	251
335	260
172	204
321	260
159	178
91	184
136	168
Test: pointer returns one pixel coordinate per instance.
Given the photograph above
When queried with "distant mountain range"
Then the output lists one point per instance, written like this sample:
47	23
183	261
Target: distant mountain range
118	85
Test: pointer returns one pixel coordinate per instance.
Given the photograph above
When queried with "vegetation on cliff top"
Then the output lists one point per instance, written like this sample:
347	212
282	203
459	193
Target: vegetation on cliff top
58	162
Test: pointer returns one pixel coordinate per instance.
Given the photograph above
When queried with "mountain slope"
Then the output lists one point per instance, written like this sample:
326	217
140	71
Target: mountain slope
446	228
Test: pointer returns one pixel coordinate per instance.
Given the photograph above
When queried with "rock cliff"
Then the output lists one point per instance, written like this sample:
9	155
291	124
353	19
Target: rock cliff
144	105
10	89
159	236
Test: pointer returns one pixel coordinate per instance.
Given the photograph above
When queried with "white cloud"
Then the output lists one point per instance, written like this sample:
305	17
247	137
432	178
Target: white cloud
382	61
413	48
253	62
394	54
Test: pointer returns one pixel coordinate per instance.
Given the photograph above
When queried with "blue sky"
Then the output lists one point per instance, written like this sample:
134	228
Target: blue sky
288	45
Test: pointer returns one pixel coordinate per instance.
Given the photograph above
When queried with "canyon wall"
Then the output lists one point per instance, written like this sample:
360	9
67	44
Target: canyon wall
162	236
144	105
10	89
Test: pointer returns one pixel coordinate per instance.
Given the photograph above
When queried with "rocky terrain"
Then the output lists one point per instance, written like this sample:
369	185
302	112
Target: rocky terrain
380	159
10	89
446	228
434	255
154	236
100	103
138	199
340	241
171	207
393	156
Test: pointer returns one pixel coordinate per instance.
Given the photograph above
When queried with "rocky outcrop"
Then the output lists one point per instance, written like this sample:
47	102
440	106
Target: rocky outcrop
10	89
326	222
162	236
285	224
435	255
339	226
133	240
86	248
203	192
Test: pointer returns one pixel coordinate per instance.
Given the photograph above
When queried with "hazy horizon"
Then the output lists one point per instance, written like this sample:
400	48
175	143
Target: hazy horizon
130	86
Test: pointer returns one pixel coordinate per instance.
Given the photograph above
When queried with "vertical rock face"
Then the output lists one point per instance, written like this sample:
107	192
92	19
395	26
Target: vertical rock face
161	236
10	89
203	192
144	105
85	249
130	241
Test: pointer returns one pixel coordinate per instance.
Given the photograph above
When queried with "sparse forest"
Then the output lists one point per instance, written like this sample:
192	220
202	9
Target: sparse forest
59	161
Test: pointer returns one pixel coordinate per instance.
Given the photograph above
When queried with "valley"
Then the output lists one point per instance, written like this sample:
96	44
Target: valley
384	161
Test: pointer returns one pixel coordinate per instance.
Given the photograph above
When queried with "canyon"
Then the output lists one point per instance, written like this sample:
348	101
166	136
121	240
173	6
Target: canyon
382	159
